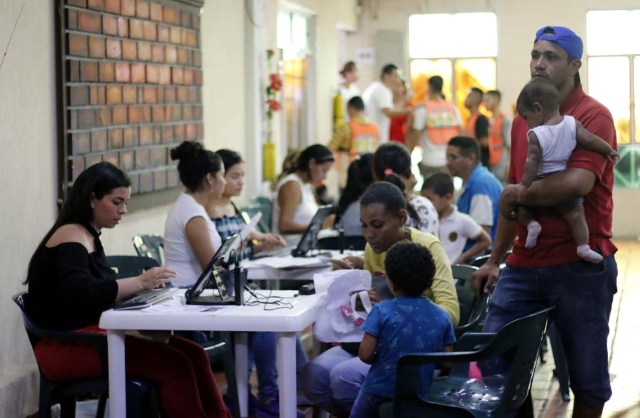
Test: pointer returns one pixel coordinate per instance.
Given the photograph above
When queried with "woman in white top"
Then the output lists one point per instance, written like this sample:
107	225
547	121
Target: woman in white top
391	160
190	236
295	201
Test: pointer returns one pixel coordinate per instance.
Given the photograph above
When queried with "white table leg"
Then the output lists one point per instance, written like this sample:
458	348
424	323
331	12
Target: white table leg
286	363
242	374
117	374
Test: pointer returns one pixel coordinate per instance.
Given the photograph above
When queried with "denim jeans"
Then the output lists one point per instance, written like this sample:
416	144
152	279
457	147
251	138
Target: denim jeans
366	405
333	379
262	353
582	294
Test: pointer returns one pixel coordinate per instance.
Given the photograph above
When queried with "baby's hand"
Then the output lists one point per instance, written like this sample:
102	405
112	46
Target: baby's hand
613	156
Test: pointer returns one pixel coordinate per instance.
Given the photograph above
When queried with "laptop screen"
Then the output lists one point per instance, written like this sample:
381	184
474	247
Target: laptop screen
309	239
222	255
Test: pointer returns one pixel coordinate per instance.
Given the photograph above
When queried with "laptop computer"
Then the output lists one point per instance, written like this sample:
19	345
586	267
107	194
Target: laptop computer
211	279
309	239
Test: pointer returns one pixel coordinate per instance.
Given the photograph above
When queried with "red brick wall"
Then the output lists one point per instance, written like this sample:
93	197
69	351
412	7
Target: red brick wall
133	86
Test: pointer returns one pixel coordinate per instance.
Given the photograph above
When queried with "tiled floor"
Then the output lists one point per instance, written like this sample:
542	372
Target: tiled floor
624	342
624	349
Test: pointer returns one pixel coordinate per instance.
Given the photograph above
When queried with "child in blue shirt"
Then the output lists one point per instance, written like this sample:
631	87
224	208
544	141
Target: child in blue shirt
408	323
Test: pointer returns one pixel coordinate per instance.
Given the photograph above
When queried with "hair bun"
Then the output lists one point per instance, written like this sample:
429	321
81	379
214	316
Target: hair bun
395	180
185	151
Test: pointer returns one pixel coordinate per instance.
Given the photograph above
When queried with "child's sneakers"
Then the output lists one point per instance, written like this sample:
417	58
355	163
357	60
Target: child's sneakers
587	254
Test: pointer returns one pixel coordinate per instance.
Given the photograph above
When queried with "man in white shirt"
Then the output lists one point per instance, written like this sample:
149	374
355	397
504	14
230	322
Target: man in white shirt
378	99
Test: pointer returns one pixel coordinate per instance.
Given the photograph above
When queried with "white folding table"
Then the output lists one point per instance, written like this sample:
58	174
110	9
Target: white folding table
238	319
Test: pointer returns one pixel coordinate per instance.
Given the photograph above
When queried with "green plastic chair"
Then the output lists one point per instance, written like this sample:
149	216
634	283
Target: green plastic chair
142	396
520	340
265	206
149	246
472	308
248	212
130	265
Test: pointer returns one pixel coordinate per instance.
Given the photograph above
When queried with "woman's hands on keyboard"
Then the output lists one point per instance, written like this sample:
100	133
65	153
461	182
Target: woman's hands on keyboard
154	278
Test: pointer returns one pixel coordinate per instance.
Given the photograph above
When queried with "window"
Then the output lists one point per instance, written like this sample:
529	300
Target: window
464	59
614	80
293	41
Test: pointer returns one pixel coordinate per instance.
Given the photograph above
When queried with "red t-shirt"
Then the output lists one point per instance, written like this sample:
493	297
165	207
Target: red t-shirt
398	126
555	244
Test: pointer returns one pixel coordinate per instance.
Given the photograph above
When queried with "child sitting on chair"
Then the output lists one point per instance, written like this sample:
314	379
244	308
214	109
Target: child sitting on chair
408	323
552	138
461	236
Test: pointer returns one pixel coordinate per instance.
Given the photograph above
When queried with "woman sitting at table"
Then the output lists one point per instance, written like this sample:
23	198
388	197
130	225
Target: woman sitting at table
225	214
359	177
190	236
262	345
333	379
70	285
295	202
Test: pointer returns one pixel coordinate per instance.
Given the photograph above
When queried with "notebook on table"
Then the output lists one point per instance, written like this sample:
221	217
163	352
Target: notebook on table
216	283
308	241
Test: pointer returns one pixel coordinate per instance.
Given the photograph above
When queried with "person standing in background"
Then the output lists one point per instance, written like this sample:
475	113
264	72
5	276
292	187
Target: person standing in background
346	90
399	124
477	125
437	122
499	135
378	99
354	138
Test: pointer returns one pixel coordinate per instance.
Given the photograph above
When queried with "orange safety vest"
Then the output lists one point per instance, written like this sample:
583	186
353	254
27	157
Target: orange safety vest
496	141
364	138
442	124
470	126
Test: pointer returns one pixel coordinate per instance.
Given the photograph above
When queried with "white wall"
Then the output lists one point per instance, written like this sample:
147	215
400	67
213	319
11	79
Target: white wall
518	21
27	141
28	123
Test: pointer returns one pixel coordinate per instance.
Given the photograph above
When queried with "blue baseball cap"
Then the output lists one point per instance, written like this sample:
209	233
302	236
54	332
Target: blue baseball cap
565	38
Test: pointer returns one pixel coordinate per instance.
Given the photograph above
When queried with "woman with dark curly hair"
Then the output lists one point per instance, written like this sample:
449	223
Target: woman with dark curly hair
333	379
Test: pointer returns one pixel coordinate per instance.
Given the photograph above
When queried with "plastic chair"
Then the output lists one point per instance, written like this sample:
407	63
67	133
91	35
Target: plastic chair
520	340
248	211
130	265
265	205
561	372
140	395
472	308
149	246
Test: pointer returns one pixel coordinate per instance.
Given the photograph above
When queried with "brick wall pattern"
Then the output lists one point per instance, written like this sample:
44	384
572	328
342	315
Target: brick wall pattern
133	86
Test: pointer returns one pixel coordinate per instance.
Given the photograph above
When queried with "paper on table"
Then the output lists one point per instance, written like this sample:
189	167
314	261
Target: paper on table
287	262
177	306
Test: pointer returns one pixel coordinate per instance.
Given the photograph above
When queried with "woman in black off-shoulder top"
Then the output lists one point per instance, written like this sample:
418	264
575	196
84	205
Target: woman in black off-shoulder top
70	285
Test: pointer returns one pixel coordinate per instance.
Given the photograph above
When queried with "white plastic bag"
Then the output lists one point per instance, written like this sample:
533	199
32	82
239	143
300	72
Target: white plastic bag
338	321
